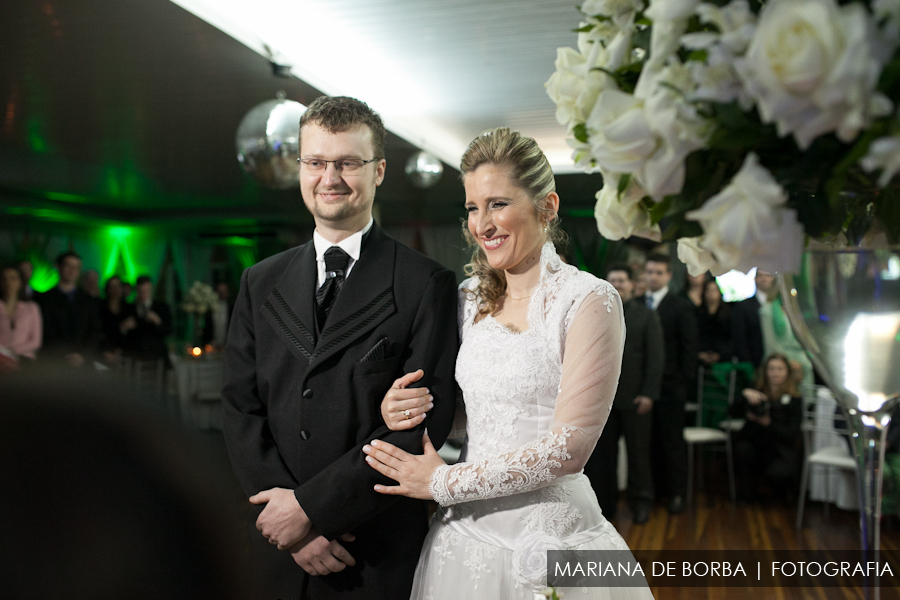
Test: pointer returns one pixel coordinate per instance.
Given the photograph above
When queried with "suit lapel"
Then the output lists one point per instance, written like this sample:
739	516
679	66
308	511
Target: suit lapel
365	300
290	307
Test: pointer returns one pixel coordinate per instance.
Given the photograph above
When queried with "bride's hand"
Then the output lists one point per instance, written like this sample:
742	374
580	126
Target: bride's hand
404	407
411	471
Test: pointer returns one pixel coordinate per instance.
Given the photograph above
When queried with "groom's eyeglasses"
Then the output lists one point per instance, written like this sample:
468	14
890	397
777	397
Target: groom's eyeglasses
347	166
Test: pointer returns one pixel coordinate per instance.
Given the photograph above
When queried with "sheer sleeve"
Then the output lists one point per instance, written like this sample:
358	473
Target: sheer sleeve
592	361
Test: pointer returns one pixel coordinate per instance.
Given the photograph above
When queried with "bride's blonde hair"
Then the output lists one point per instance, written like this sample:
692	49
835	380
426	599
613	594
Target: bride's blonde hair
529	170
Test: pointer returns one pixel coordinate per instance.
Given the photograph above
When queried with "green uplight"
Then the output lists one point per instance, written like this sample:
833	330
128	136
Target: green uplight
130	267
235	240
118	232
246	256
44	276
61	197
46	213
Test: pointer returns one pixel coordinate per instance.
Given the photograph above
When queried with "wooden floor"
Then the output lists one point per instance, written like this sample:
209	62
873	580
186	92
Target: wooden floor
714	523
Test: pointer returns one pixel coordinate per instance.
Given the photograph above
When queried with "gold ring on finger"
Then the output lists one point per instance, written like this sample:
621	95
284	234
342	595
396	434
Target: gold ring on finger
406	412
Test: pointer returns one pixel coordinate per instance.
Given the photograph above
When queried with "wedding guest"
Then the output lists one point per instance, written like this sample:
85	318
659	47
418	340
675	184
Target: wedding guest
127	290
117	318
90	283
71	320
153	322
713	326
778	337
27	270
215	327
746	332
20	319
693	290
679	323
768	448
639	385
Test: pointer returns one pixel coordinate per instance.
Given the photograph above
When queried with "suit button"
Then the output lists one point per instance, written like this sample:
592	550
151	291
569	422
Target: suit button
307	393
304	435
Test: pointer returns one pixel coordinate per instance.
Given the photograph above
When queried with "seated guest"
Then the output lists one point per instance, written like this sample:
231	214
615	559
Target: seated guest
20	319
147	341
117	318
713	326
71	321
769	447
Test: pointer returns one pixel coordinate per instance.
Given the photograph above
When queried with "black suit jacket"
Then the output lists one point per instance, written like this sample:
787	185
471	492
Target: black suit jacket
69	326
298	407
147	341
643	360
679	323
746	332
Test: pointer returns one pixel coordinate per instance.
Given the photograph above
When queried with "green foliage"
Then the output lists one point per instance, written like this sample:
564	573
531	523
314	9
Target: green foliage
580	133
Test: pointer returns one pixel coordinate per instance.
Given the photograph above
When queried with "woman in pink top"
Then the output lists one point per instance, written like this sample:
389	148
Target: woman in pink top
20	319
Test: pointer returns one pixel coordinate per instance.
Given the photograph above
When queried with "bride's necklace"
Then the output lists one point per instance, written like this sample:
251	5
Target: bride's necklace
508	297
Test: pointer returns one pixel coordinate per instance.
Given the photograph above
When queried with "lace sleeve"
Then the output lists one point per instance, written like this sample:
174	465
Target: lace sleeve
590	375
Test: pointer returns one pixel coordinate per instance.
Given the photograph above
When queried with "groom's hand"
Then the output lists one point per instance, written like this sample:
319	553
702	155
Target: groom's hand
317	556
283	521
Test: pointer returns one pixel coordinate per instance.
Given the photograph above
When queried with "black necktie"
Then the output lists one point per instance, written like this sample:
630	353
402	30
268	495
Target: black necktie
336	261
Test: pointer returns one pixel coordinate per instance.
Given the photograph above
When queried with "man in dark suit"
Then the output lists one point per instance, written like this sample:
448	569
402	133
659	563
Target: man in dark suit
679	323
639	385
746	332
318	335
153	322
71	320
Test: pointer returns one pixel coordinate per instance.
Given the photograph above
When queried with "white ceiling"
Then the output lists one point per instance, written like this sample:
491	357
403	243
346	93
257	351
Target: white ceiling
439	72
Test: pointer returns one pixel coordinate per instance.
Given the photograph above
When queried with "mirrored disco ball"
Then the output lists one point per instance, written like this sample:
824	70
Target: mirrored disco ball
268	142
424	170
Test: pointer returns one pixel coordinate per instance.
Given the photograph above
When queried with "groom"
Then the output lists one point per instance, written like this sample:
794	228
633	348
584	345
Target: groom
318	335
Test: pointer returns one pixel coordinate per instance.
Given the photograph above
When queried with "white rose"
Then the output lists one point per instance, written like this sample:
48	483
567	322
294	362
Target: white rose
530	560
611	8
698	259
670	19
887	12
648	137
735	22
884	154
573	87
678	128
620	136
623	216
746	224
811	70
581	155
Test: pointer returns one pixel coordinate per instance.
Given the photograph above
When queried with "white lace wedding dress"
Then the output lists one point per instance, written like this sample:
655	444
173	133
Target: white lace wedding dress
535	403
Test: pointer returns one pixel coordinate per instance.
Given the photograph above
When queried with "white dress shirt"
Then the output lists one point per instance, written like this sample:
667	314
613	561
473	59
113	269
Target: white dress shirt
351	245
657	296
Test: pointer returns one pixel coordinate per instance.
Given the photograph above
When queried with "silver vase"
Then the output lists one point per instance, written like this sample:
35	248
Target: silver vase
844	308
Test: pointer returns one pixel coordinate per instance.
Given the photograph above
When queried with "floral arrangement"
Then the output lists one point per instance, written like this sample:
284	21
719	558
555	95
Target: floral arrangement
737	127
199	299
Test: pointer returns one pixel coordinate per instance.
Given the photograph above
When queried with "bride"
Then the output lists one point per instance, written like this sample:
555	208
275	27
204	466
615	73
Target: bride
538	368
